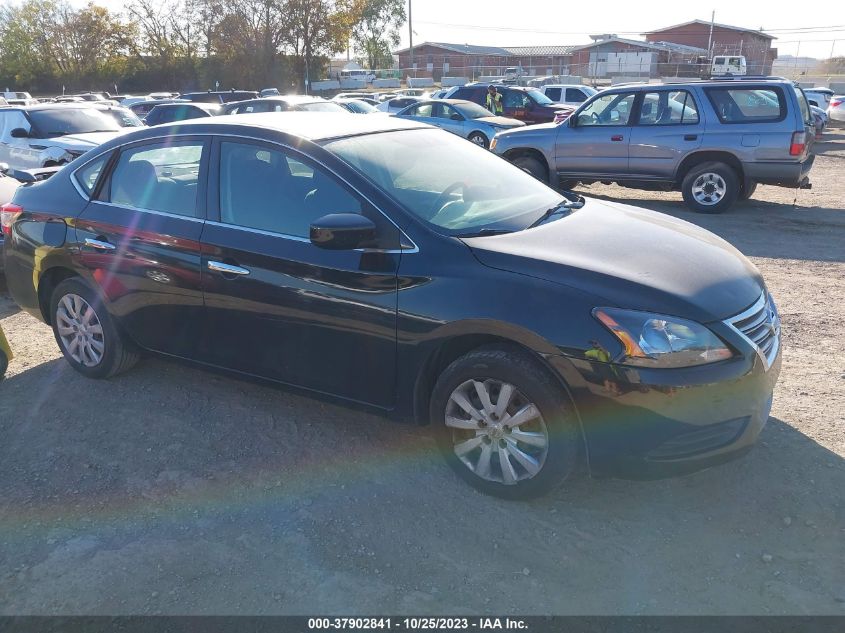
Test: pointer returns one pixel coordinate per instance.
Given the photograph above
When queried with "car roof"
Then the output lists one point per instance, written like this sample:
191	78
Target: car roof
708	83
313	126
76	105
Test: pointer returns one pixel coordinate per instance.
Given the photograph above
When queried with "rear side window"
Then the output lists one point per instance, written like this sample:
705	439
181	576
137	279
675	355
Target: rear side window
668	107
747	105
86	177
553	94
158	177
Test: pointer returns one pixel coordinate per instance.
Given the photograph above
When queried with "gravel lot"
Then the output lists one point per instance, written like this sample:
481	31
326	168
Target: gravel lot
170	490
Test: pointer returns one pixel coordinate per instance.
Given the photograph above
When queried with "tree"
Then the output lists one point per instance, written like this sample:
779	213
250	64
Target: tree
377	30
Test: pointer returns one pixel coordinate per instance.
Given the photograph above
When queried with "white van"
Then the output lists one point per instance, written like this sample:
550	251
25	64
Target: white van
726	65
362	73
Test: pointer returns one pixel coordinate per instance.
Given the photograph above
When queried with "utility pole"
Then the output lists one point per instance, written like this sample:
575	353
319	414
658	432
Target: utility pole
411	36
710	39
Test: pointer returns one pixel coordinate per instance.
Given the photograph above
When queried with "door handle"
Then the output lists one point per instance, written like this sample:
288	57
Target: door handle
690	137
227	269
100	245
616	137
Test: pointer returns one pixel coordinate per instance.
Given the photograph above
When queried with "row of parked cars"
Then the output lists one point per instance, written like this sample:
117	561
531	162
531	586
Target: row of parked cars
714	141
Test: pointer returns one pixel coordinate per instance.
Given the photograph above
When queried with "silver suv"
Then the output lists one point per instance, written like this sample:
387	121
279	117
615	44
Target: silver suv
713	140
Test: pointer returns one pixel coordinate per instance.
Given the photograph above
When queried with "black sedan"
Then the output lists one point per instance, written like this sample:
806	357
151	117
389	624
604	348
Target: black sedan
389	265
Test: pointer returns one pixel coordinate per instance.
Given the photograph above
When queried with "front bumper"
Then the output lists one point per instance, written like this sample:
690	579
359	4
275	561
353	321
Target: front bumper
648	423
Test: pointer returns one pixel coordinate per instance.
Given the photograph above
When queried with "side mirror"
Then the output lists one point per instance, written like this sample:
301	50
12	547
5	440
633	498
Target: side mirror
614	116
343	232
19	132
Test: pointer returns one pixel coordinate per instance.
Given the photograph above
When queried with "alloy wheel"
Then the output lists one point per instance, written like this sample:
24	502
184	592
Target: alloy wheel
709	189
80	330
497	433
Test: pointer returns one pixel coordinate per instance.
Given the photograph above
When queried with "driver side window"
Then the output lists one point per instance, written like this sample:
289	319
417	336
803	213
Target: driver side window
607	110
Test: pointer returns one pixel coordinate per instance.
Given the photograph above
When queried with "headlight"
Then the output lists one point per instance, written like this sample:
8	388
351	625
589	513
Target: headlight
654	340
493	143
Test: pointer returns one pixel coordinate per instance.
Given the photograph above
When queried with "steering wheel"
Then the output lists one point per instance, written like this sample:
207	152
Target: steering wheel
443	198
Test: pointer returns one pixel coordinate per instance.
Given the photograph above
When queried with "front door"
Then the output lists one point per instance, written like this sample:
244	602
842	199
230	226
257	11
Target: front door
278	306
595	143
139	238
668	127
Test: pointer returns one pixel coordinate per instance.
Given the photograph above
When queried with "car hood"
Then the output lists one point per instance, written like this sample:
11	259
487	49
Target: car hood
501	121
85	142
632	258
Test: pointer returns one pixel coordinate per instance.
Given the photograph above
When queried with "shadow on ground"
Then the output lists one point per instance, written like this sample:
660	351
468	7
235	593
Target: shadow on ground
175	491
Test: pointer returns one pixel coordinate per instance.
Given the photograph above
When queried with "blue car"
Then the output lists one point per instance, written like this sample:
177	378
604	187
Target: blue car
460	117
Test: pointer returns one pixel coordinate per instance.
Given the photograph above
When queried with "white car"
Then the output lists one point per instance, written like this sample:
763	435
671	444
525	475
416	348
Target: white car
568	94
836	109
19	98
821	96
52	134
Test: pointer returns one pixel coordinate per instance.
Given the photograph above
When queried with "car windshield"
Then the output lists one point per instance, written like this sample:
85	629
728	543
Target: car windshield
321	106
361	107
539	97
60	122
473	110
125	117
454	186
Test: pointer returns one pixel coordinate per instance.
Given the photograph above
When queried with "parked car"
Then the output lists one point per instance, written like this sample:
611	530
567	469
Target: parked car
96	97
19	98
269	92
219	96
836	109
414	92
52	134
305	103
568	94
532	330
396	104
821	96
712	140
464	118
353	95
524	104
439	94
142	108
171	112
357	106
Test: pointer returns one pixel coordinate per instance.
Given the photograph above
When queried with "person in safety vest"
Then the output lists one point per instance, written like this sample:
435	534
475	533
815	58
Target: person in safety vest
5	354
494	101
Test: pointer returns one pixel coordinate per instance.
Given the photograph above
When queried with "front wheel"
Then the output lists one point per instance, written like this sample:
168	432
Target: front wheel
479	139
86	333
503	424
533	166
710	187
748	191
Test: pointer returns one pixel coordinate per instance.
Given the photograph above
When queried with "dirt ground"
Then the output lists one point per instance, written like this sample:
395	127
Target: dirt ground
169	490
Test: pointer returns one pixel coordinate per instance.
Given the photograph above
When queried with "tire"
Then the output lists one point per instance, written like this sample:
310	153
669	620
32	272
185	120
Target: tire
567	185
107	352
552	434
715	176
4	364
747	192
479	139
533	166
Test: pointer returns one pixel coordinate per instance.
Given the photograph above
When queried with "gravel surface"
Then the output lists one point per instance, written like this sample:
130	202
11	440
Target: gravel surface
170	490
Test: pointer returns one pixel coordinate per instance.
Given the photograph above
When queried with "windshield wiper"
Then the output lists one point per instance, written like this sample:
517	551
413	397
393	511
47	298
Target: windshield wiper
566	205
485	232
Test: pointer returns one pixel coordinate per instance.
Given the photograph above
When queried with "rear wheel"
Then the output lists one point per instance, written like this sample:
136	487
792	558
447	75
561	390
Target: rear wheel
86	333
4	364
503	424
710	187
533	166
479	139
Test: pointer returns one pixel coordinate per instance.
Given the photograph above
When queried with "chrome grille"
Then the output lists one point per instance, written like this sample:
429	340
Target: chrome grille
760	326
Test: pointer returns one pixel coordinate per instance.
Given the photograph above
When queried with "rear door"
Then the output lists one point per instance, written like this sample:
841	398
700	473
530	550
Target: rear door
596	142
139	239
278	306
667	128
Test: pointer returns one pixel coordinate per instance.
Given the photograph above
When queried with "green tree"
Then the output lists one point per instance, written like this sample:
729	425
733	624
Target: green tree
376	31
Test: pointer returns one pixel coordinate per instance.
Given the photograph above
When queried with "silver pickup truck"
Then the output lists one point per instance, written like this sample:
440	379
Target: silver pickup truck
712	140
